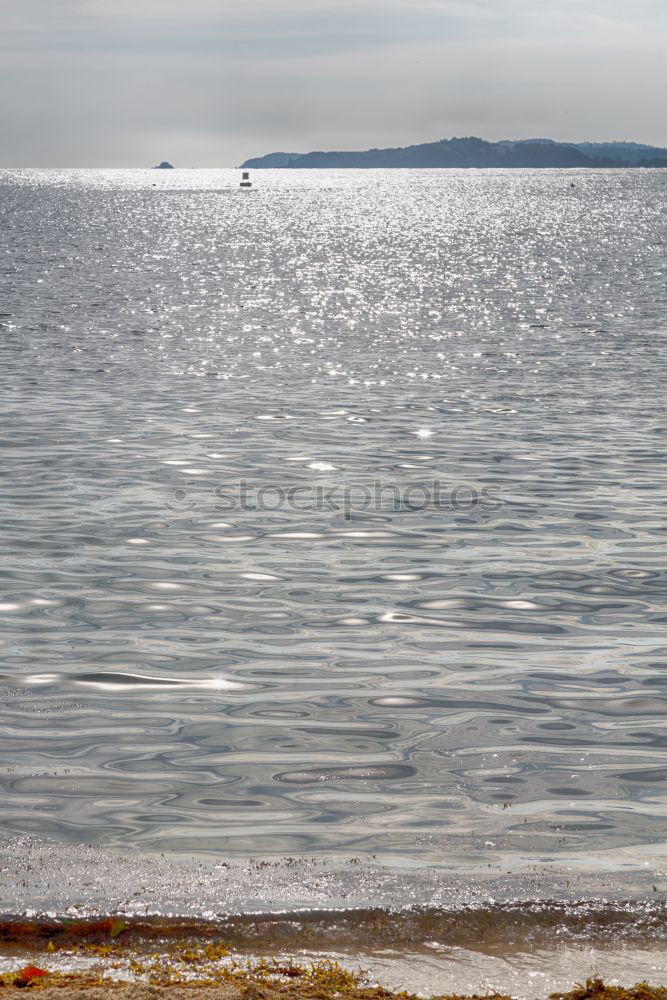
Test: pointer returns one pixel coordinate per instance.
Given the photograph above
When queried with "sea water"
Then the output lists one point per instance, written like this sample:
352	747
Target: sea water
334	516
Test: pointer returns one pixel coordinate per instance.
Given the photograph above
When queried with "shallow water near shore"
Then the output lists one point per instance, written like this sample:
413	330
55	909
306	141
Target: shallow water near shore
188	919
333	521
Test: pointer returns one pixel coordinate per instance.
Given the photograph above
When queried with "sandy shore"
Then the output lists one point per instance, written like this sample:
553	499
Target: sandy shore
84	989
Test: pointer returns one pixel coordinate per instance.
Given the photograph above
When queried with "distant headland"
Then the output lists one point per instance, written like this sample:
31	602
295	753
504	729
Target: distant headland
474	152
165	165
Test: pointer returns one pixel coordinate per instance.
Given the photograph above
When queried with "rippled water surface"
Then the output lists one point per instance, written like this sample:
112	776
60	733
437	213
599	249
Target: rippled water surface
471	671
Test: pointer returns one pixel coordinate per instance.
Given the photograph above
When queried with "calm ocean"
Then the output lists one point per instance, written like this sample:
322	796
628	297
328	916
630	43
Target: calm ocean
334	516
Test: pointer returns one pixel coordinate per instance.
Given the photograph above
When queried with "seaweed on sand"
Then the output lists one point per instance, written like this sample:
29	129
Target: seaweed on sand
267	980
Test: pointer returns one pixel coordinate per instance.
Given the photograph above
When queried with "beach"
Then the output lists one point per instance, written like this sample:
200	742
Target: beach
260	990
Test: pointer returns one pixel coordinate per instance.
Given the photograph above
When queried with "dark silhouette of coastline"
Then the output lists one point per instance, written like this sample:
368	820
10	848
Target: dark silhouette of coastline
474	152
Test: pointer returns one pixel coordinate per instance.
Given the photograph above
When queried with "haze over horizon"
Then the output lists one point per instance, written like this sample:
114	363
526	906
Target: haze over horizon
210	83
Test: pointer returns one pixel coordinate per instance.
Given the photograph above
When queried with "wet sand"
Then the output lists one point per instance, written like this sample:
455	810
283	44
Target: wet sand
260	989
85	991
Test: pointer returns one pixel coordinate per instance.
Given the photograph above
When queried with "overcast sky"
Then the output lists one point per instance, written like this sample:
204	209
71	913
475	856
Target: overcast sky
211	82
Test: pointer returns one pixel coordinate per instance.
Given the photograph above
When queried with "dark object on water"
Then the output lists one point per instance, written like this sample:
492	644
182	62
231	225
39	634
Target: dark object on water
245	181
165	165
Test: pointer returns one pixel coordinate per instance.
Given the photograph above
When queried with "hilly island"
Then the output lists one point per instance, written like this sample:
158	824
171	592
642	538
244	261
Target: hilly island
474	152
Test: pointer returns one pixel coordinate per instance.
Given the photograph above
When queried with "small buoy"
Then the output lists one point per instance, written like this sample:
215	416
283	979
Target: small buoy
245	181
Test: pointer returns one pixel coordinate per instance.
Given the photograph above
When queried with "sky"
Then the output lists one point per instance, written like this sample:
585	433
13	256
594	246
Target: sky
208	83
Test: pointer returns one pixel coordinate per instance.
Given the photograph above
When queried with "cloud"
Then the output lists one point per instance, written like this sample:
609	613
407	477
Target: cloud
121	82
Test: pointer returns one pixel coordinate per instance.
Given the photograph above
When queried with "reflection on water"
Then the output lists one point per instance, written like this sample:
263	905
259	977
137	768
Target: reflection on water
181	671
